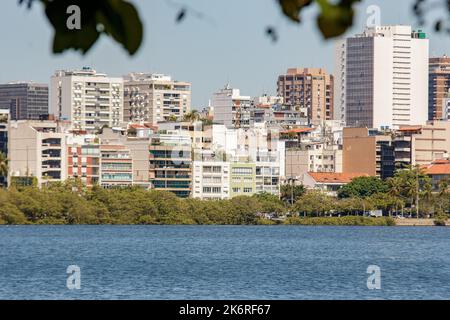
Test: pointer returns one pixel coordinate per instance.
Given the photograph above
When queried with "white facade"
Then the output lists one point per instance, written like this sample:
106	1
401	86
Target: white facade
90	100
382	78
259	146
211	180
446	109
266	100
340	63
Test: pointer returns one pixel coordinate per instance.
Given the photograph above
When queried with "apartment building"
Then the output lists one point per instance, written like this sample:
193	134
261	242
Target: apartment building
211	180
171	163
201	135
438	87
267	101
4	122
268	172
403	145
242	179
432	143
446	108
369	152
90	100
309	90
83	159
38	149
155	98
139	149
116	166
24	100
231	108
313	157
278	115
382	78
421	145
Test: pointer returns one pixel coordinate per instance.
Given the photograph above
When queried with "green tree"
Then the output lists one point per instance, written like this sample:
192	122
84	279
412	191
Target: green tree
9	214
244	210
3	166
314	203
172	118
409	184
192	116
270	203
363	187
290	193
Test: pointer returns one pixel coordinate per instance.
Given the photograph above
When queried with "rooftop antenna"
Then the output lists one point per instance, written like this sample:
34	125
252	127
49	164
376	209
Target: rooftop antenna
228	83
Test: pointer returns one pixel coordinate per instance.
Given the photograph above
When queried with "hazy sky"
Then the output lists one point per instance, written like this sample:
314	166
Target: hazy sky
228	45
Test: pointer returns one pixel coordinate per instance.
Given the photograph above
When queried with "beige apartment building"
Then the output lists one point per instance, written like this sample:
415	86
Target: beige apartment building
37	149
310	90
201	135
431	143
155	98
313	157
421	145
90	100
438	87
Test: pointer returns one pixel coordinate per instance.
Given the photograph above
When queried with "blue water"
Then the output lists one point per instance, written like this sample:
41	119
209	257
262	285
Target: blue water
224	262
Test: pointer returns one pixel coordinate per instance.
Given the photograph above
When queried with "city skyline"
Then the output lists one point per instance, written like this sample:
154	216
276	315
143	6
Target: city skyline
237	64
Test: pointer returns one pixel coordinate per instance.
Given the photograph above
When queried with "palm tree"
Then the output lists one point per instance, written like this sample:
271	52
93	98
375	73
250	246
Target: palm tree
444	186
172	118
395	186
192	116
3	165
3	118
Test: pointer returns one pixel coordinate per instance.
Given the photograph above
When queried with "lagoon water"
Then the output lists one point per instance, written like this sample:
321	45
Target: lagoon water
224	262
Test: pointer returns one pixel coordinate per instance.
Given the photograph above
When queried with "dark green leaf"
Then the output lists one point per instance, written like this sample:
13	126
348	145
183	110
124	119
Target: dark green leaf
335	19
117	18
292	8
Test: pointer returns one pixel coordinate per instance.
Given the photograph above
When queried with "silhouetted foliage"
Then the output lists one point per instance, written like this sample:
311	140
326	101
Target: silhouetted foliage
120	19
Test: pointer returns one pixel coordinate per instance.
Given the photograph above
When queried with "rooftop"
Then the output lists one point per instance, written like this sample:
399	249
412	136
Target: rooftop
438	167
298	130
333	177
409	128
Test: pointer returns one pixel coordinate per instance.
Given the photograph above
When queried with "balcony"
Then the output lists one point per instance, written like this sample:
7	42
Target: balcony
51	155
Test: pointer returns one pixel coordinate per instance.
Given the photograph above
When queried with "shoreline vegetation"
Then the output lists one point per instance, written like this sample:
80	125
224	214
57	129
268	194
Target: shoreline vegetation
71	203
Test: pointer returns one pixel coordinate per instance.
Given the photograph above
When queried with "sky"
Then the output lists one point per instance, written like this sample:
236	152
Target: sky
227	45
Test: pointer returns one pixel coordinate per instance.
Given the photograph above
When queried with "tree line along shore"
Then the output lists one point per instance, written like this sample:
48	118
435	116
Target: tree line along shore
405	195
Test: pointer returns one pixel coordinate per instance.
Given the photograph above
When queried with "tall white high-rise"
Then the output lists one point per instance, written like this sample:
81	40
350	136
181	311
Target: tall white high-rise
90	100
382	78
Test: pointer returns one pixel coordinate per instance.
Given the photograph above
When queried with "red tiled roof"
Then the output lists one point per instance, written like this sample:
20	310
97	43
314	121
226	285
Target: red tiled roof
438	167
143	126
298	130
332	177
137	126
410	128
149	125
